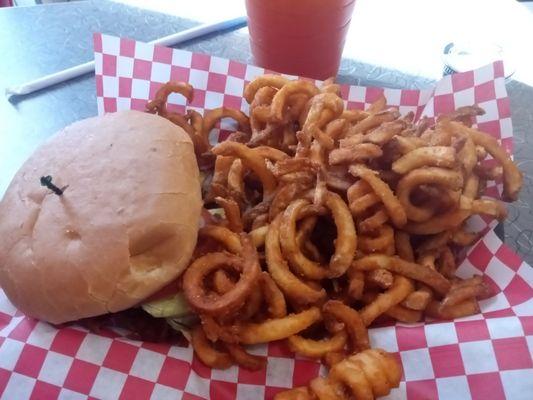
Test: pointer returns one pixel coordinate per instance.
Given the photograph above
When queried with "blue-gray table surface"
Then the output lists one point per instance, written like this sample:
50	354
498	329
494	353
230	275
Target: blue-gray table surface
39	40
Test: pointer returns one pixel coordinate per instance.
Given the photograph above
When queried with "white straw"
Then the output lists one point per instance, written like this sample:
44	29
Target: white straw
81	69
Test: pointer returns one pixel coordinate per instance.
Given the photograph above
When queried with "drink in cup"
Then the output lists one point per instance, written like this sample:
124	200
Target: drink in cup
299	37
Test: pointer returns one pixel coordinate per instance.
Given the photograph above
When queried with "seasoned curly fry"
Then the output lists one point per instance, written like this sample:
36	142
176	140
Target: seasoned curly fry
381	241
232	213
398	291
270	153
382	134
211	304
207	353
275	81
159	103
410	270
284	196
512	177
280	99
464	309
394	207
450	220
353	323
418	300
464	290
345	244
252	160
218	186
357	153
222	282
258	236
374	120
277	307
356	284
244	359
404	249
279	328
437	156
423	176
324	108
303	238
380	277
293	287
227	237
317	348
235	181
211	117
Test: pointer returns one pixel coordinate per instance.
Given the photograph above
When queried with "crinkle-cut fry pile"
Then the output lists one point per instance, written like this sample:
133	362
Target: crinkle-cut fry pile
332	219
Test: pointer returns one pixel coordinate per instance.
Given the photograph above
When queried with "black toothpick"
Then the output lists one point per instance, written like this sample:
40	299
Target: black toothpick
47	181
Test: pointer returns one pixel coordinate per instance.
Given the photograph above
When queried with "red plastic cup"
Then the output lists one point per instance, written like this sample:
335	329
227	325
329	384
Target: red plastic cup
299	37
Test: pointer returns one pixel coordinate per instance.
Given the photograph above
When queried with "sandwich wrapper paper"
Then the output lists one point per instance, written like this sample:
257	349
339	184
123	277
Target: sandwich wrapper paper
485	356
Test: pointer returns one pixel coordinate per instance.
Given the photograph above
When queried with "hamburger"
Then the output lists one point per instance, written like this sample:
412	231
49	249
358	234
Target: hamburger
102	216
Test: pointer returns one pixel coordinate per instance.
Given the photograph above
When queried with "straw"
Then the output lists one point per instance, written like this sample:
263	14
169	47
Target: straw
73	72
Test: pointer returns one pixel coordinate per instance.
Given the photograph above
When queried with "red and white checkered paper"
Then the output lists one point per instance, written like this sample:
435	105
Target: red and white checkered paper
486	356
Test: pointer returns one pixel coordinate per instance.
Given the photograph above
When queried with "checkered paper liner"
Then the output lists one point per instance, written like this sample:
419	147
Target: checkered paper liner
486	356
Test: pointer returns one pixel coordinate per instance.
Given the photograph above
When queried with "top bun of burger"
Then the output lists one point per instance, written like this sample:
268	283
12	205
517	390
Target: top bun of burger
125	226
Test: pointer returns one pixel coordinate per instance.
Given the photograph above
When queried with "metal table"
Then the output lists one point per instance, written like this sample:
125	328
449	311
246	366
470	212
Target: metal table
35	41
